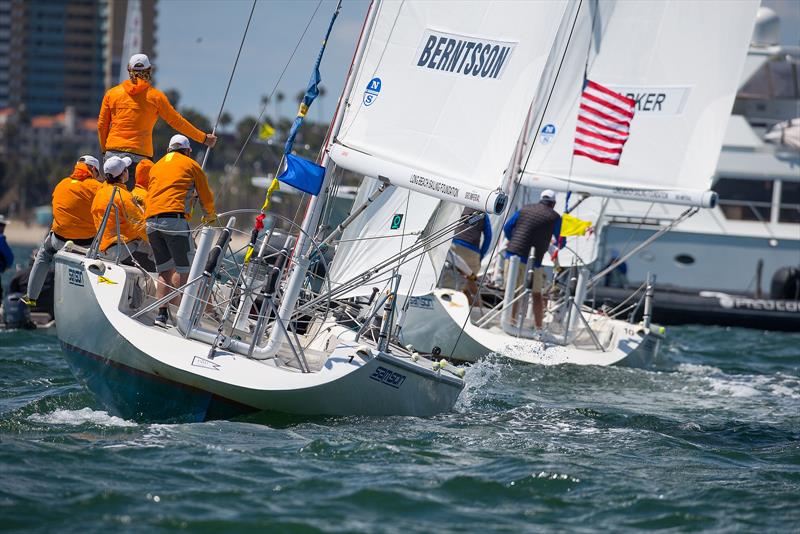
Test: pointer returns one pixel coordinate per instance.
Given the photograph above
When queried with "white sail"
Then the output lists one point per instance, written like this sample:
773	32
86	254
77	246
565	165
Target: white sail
442	93
388	229
681	62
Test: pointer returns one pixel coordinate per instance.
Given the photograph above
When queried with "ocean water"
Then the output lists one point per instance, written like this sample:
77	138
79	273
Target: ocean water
709	440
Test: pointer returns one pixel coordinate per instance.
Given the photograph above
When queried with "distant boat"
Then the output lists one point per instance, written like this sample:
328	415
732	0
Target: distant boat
738	263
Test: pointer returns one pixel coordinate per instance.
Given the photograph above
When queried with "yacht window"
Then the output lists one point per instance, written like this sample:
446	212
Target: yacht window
784	79
790	203
684	259
775	79
758	86
745	200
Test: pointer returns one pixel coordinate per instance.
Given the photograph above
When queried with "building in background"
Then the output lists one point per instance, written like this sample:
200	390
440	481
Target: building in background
57	53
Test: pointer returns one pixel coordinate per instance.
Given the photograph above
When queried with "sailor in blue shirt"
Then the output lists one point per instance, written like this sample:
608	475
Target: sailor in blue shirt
472	241
6	256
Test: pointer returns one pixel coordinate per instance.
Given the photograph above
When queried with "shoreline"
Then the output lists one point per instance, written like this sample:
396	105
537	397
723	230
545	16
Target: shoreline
19	233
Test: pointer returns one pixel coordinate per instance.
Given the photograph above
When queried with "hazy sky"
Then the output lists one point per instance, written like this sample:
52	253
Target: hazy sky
198	40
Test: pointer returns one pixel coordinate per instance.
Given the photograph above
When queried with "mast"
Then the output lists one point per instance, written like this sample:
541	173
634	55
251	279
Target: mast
300	261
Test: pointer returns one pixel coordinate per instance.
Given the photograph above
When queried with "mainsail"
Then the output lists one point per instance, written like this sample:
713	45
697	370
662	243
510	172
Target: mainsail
437	106
681	62
441	95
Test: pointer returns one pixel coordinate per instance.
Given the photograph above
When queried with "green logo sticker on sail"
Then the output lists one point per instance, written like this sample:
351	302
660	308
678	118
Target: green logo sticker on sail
396	220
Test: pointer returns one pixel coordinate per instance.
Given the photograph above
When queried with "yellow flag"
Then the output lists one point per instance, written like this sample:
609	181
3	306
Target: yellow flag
266	131
573	226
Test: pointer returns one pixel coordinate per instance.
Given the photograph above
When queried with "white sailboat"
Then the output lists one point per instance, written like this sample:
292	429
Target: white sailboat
417	68
680	61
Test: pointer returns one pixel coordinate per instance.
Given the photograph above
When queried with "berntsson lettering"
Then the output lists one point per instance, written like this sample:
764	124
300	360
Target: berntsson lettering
459	54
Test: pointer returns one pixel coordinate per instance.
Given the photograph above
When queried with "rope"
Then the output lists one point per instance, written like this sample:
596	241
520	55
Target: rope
230	80
275	87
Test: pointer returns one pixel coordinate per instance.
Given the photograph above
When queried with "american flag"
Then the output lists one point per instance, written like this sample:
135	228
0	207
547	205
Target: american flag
604	122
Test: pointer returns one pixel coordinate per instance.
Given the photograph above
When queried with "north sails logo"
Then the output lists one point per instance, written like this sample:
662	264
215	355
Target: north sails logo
459	54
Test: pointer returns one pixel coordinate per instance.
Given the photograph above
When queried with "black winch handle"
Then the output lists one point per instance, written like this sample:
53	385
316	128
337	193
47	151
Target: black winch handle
213	256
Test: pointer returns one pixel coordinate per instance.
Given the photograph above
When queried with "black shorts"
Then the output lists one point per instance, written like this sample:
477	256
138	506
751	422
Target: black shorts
171	243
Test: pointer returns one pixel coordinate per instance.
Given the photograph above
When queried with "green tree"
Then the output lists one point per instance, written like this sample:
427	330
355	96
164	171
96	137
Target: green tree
225	120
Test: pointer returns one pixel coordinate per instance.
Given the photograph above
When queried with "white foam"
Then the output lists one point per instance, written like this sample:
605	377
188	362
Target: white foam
80	417
477	376
696	369
784	391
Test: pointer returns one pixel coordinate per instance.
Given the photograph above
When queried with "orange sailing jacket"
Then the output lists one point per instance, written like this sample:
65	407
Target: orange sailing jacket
72	204
139	191
131	219
173	182
128	114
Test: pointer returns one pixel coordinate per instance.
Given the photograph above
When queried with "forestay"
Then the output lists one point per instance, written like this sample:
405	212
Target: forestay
681	62
442	93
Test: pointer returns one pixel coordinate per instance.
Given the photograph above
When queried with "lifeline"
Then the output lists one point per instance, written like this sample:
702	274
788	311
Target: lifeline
463	57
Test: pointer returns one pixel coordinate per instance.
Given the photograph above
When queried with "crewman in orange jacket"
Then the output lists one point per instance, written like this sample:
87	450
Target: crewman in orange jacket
139	192
132	236
72	220
131	109
174	179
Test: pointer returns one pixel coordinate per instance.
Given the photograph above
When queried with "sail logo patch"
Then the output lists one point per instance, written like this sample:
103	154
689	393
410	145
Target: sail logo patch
396	221
547	133
372	91
75	277
656	100
459	54
388	377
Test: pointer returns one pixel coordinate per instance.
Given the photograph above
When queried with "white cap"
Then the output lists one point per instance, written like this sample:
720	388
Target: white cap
90	160
139	62
116	165
178	142
548	195
3	220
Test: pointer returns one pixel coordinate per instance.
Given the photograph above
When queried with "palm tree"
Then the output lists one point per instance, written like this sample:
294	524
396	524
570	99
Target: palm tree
322	92
279	98
264	100
225	120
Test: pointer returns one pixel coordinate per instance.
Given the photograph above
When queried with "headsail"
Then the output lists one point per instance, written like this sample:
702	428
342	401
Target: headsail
680	62
440	97
393	237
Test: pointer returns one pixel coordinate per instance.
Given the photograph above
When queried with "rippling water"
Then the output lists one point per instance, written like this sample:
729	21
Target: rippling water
710	440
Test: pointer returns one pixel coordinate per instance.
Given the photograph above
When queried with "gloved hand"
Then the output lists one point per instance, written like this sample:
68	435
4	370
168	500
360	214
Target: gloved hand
209	220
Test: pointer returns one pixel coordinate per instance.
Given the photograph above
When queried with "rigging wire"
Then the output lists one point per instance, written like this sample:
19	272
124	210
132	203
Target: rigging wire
230	80
517	181
277	82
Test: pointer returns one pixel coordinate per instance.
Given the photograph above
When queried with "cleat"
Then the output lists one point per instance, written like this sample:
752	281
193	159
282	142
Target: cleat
31	303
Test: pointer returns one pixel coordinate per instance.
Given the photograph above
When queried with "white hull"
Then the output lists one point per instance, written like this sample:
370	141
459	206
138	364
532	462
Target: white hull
436	320
144	372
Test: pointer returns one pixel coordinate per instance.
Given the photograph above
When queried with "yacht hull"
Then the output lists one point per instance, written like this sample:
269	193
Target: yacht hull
437	319
146	373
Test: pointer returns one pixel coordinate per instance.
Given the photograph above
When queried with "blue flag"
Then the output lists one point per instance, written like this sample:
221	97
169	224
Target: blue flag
312	91
303	174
